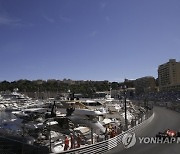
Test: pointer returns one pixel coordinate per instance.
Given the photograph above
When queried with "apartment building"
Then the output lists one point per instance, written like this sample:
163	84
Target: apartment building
169	75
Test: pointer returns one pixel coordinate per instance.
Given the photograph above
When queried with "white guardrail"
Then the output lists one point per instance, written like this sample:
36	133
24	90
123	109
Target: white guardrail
105	146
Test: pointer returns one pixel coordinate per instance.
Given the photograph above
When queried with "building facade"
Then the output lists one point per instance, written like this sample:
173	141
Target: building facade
145	84
169	75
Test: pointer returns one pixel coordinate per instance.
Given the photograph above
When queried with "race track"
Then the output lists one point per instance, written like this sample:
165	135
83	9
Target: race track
163	120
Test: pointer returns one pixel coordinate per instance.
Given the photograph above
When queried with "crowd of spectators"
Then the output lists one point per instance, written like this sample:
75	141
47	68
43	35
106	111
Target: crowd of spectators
74	141
165	96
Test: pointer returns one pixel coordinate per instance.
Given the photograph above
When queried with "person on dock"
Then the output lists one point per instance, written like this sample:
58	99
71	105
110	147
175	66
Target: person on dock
115	130
72	141
66	143
112	133
79	141
106	133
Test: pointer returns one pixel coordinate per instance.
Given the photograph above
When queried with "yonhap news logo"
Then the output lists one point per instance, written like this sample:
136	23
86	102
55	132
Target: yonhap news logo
159	140
129	140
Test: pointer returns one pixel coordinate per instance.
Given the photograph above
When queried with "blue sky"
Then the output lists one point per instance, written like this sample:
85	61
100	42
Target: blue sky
87	39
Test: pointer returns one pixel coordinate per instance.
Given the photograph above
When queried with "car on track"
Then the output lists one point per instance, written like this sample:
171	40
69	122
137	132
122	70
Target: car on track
168	133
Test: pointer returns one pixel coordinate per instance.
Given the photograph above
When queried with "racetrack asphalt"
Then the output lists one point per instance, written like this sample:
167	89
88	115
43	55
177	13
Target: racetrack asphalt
163	119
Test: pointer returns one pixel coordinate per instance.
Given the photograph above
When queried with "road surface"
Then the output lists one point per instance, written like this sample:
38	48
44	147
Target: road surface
163	120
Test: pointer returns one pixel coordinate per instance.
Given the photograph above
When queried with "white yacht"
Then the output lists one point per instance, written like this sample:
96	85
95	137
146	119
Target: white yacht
113	107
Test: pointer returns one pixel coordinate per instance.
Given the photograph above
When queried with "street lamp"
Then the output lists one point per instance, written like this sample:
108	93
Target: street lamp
50	136
125	106
48	125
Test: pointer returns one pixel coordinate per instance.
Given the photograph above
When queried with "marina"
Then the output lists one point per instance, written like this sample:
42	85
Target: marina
89	76
46	123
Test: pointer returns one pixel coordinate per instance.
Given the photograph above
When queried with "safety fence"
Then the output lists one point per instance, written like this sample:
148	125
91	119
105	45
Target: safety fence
13	145
104	146
169	105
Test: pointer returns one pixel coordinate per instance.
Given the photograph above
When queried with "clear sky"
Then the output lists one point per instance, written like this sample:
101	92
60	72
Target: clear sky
87	39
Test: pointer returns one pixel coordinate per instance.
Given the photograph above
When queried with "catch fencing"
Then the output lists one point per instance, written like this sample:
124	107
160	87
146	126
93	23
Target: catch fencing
104	146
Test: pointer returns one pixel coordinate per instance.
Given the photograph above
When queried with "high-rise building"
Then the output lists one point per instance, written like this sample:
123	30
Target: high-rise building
169	75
